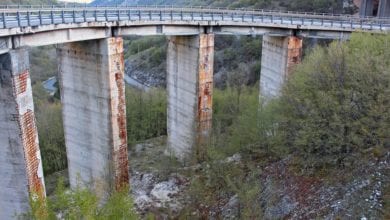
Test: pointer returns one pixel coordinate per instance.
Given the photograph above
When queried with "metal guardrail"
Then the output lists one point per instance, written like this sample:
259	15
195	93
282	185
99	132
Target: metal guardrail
76	5
34	15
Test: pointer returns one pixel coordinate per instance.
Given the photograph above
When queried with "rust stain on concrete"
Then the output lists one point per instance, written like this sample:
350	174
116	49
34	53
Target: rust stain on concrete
31	150
120	154
294	55
29	136
205	94
21	82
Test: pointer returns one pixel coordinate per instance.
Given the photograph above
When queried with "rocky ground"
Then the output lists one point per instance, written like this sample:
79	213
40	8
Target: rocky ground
151	77
156	183
357	193
160	185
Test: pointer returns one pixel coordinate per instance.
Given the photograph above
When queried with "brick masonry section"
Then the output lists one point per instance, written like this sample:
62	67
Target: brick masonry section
20	160
23	94
20	82
32	154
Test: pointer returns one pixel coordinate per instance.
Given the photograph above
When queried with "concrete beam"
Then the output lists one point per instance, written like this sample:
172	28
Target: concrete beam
159	30
60	36
20	159
247	30
94	113
323	34
279	56
190	87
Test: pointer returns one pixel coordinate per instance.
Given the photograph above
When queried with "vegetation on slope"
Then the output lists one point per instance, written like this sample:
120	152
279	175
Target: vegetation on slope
329	6
146	114
337	103
50	129
82	204
333	116
28	2
234	56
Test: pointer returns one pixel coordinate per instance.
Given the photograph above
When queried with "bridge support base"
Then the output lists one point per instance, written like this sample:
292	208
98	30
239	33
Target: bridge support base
190	87
94	113
279	56
20	160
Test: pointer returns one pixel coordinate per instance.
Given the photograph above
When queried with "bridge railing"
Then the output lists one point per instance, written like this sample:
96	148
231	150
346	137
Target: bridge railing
248	10
23	16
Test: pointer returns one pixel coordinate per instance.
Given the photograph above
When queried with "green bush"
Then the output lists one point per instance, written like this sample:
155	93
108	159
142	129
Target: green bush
134	45
337	102
146	114
50	129
82	204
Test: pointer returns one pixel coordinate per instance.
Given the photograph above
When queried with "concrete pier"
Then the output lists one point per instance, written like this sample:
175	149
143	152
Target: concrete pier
384	9
279	56
20	160
367	8
190	86
94	113
379	8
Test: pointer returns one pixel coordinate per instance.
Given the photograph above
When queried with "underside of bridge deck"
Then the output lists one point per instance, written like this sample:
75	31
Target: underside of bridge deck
20	160
94	114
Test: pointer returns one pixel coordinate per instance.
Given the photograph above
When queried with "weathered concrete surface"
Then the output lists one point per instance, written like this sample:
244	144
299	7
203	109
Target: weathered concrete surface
367	8
205	88
5	44
294	53
384	9
94	114
61	36
20	160
279	56
190	86
380	8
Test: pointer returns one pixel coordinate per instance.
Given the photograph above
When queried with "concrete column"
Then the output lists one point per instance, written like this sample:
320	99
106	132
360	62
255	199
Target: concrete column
279	56
190	86
94	113
20	160
366	8
384	9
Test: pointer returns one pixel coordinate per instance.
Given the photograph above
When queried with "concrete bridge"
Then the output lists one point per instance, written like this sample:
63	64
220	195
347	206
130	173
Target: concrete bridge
91	73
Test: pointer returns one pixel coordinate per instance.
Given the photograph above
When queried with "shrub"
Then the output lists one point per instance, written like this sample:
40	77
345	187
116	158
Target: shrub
337	102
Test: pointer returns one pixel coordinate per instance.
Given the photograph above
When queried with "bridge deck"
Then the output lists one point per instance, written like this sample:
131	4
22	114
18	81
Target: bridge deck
29	17
36	26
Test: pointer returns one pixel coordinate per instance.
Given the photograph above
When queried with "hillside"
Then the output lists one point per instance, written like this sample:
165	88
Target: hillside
328	6
28	2
147	63
319	152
